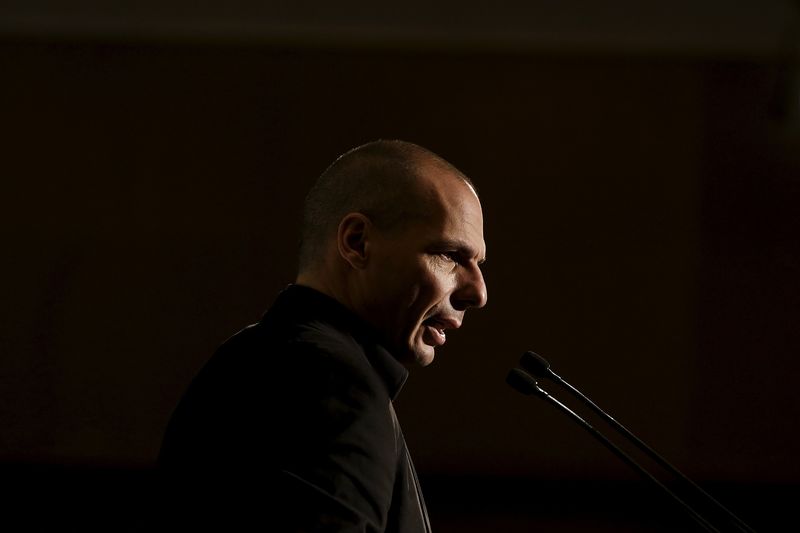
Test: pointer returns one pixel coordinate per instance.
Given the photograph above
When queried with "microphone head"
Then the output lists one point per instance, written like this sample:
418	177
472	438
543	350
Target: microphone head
523	382
535	364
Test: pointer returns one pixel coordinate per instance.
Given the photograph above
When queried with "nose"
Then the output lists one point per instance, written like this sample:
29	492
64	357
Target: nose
471	291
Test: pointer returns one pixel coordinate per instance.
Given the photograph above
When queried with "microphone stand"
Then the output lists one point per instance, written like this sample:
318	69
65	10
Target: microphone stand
525	384
539	366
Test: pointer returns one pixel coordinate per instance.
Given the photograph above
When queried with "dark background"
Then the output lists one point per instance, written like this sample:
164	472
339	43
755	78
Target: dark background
640	183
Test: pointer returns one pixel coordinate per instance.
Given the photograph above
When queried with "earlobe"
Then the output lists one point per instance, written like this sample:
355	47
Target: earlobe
352	239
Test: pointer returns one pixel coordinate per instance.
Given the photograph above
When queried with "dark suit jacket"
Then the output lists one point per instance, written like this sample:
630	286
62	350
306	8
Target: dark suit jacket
290	427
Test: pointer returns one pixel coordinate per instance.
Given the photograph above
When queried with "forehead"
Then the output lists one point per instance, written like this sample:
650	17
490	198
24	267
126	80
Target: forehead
455	210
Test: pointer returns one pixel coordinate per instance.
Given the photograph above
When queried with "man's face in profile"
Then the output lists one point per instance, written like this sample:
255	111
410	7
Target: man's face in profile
426	276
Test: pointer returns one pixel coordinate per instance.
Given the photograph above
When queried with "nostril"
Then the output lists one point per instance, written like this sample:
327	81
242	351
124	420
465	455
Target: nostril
465	301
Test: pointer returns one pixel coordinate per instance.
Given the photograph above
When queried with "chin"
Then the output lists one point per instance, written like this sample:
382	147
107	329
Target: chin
425	361
417	356
423	356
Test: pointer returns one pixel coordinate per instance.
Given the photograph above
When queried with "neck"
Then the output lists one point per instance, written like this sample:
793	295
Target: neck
314	282
330	287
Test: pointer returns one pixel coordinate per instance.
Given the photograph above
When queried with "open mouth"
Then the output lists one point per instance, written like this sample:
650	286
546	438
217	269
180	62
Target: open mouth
434	333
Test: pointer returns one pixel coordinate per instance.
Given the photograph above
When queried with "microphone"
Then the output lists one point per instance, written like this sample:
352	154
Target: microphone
526	384
539	366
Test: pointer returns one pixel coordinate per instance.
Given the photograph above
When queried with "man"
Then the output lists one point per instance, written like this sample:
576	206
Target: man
290	426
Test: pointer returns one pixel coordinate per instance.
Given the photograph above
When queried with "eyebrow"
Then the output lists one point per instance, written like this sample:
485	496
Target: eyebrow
462	248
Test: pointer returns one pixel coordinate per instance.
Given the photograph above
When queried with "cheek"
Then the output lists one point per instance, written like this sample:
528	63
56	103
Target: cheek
421	290
437	282
404	289
414	287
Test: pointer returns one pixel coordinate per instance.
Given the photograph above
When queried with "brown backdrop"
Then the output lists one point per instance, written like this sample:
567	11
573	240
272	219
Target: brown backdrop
641	225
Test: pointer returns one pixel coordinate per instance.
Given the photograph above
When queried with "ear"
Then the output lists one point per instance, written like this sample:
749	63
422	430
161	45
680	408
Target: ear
352	238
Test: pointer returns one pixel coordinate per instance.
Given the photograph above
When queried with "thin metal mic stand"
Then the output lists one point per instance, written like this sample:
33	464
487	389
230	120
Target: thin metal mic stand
524	383
539	366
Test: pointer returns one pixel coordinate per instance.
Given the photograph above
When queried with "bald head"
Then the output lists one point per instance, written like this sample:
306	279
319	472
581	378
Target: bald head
395	234
383	180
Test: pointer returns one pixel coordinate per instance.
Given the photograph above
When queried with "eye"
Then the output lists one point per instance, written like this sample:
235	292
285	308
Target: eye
452	258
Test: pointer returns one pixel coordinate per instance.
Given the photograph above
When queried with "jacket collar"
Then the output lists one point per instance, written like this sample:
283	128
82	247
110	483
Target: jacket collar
305	303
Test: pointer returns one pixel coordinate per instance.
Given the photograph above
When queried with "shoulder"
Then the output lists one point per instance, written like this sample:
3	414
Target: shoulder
299	402
312	354
302	378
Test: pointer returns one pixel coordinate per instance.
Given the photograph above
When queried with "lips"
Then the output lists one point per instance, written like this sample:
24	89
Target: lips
434	329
